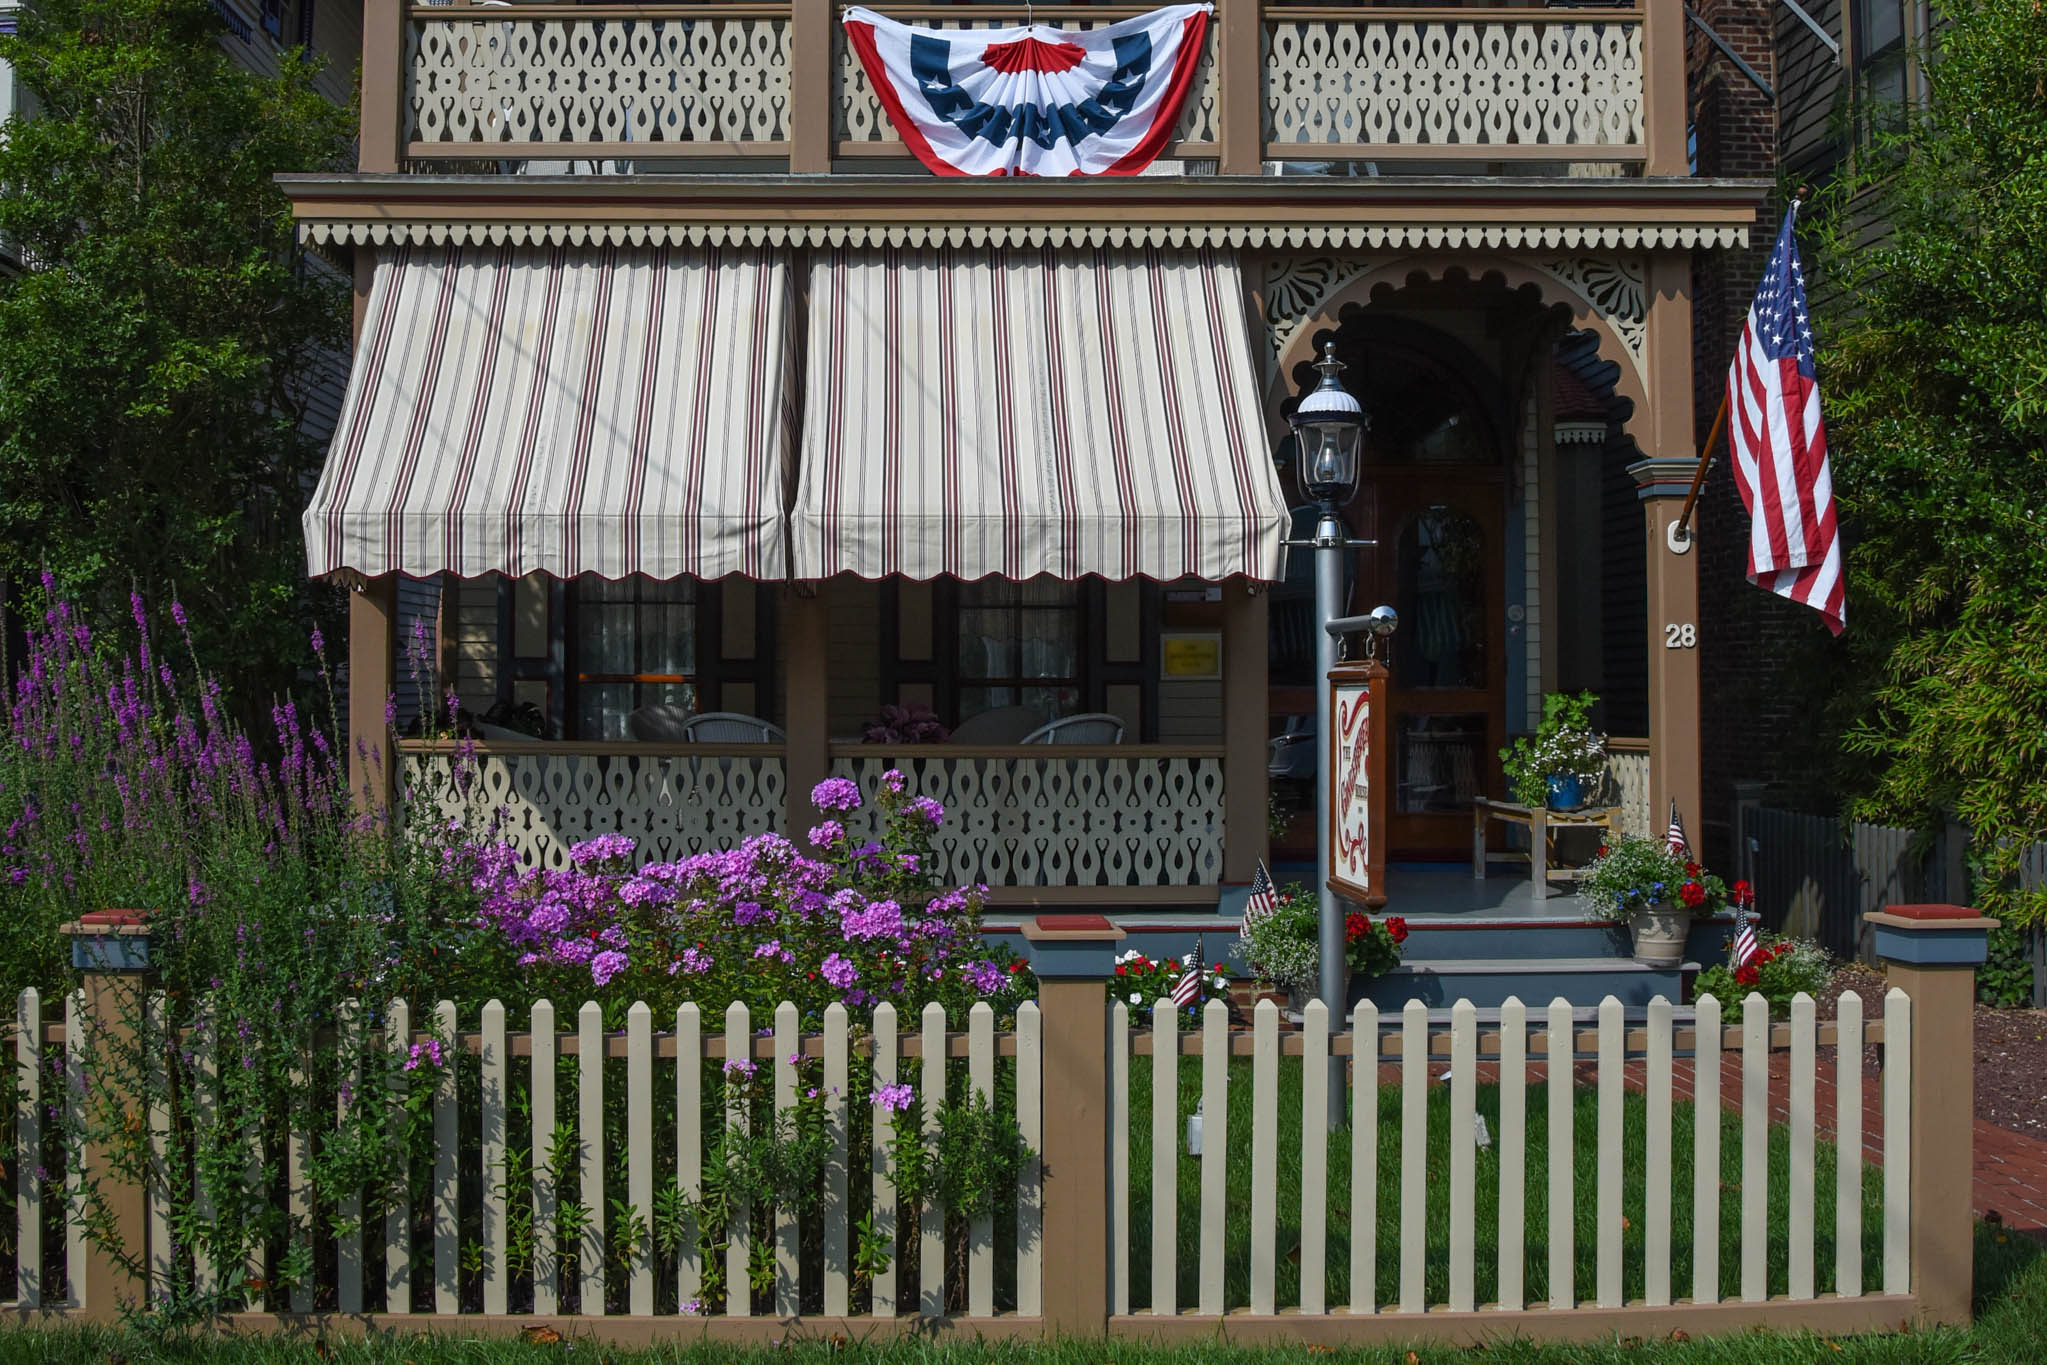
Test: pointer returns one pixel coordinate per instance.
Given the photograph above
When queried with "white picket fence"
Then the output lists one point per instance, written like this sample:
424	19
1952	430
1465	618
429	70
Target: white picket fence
1509	1047
603	1154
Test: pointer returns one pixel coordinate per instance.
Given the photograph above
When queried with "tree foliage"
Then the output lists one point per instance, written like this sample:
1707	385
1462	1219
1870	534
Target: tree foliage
1934	368
154	352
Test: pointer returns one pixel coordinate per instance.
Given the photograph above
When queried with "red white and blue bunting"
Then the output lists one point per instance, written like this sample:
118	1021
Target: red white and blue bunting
1035	100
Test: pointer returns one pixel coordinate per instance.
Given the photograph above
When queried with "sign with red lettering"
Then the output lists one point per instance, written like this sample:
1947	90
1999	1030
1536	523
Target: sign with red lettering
1357	796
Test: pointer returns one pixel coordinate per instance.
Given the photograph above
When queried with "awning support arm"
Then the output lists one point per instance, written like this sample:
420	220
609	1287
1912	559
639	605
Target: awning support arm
1755	78
1814	24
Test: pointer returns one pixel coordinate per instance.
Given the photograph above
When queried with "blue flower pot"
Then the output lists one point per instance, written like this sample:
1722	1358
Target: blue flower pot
1566	792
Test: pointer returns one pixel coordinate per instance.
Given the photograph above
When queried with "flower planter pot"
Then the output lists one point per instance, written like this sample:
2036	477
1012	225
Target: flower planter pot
1566	792
1660	934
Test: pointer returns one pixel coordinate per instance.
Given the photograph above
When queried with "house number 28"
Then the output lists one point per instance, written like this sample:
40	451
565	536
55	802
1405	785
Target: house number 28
1680	636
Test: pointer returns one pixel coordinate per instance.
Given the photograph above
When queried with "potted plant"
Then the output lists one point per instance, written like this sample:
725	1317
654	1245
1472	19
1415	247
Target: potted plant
1283	945
1563	758
1642	883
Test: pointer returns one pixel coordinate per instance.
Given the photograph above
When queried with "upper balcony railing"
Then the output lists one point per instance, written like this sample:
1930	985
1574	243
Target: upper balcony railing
773	87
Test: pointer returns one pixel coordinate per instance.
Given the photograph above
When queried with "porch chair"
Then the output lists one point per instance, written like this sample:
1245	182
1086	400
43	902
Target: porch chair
730	727
661	723
1094	727
1002	725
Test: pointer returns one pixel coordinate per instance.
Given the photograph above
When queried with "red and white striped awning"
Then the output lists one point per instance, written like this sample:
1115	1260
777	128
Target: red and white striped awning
1065	411
609	410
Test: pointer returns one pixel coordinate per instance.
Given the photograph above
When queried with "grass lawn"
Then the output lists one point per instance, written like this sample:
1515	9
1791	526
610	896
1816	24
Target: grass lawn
2011	1292
1585	1160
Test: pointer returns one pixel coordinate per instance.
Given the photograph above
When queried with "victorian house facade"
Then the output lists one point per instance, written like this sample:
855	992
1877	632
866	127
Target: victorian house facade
712	442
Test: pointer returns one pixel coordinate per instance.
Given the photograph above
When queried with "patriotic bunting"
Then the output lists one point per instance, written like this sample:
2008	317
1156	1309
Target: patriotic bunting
1035	100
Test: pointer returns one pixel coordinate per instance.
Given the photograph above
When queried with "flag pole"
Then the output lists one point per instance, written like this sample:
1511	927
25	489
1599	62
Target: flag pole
1684	517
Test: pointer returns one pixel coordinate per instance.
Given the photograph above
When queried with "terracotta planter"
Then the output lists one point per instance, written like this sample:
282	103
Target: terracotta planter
1660	933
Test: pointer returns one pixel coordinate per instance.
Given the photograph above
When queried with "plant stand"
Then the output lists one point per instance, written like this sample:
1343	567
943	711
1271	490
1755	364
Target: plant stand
1540	822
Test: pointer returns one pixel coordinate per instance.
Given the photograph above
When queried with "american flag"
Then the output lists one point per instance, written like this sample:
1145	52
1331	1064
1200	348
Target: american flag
1189	985
1263	897
1779	444
1745	945
1679	845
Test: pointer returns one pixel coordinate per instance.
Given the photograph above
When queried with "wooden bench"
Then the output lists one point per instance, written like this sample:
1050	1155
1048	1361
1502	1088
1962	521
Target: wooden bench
1540	822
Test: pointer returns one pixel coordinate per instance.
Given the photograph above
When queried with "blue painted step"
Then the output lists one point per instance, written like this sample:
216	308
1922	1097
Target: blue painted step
1487	982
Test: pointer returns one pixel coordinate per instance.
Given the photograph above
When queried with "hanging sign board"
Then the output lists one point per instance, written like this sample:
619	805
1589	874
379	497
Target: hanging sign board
1356	768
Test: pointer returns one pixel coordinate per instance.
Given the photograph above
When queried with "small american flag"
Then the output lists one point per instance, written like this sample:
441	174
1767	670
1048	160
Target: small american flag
1188	987
1745	945
1679	845
1779	444
1261	902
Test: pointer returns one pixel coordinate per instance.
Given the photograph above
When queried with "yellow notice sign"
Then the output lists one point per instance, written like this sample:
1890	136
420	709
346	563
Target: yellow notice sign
1191	656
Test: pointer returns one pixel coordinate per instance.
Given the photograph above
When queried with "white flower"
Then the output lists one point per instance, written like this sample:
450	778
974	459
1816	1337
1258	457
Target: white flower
1137	997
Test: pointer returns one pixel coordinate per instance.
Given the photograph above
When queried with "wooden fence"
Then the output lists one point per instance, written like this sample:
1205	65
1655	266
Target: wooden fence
1622	1152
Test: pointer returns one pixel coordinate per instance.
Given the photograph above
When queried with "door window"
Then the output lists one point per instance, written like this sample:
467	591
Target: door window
1441	577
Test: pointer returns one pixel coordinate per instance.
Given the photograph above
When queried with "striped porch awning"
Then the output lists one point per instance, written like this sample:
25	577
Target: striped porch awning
1065	411
607	410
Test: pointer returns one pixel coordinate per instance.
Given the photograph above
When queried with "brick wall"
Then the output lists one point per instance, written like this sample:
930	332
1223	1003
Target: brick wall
1742	630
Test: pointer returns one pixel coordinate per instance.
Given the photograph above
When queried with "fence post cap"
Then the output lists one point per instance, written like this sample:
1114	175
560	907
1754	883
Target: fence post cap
1932	935
109	940
1070	947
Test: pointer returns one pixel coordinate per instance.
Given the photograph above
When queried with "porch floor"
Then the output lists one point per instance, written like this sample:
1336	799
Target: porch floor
1448	891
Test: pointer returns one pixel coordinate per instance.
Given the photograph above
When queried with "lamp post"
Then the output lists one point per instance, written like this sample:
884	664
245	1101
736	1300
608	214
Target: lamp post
1329	427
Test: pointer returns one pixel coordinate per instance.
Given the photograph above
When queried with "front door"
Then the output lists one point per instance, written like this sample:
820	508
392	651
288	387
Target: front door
1438	562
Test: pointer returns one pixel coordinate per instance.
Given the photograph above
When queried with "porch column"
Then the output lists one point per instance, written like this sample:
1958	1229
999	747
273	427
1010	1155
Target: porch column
806	650
1244	728
372	615
1662	480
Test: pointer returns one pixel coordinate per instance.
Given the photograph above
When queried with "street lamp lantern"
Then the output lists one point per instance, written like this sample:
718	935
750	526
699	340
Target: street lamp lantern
1329	428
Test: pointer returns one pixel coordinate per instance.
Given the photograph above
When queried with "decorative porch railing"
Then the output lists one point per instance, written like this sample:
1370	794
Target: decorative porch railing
1062	816
1627	762
674	799
776	84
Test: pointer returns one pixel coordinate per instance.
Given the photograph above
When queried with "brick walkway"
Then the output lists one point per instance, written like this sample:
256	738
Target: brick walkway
2011	1168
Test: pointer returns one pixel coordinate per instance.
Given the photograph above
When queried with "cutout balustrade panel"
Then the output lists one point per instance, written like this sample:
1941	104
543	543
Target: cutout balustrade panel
1044	815
1686	1157
1450	83
708	80
861	127
672	800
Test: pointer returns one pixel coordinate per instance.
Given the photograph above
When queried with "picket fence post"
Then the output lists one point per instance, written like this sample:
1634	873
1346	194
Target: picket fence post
1931	953
1072	955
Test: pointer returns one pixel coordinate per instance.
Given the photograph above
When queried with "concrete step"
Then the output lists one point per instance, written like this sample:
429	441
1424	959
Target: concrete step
1465	938
1487	982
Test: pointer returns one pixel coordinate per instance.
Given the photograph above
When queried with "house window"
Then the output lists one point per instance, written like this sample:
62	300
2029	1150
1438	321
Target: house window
273	18
635	643
305	30
1019	645
1879	64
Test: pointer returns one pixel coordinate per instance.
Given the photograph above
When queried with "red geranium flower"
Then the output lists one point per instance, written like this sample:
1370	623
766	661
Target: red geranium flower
1747	975
1397	927
1122	969
1355	927
1692	869
1692	894
1780	950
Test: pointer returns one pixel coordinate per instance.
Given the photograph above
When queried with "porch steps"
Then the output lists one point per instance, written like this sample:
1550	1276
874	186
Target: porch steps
1535	981
1465	938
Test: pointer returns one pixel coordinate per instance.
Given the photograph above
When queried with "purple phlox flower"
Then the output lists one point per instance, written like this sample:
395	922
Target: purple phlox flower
740	1066
839	972
811	1093
871	920
607	965
836	794
897	1097
695	961
772	948
641	891
752	912
927	810
602	849
986	977
827	835
893	779
428	1052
